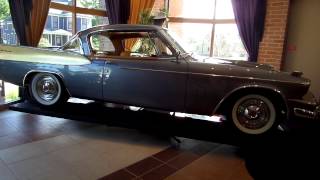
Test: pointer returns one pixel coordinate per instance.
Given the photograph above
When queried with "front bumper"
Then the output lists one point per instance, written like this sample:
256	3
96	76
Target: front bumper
309	109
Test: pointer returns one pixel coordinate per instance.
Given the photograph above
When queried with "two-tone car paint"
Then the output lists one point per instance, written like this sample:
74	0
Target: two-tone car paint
180	83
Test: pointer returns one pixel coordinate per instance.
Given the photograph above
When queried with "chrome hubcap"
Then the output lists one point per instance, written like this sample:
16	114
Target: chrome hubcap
47	88
253	113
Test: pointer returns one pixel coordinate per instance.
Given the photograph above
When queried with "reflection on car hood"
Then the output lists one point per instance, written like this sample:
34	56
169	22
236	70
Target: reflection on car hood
239	63
38	55
241	69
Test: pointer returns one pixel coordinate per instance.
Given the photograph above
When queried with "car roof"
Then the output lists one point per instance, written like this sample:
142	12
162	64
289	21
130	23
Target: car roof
122	27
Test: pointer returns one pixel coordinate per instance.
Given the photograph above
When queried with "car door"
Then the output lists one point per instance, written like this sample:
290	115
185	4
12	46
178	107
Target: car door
83	81
155	81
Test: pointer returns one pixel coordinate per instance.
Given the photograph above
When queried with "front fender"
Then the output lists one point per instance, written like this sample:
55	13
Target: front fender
254	89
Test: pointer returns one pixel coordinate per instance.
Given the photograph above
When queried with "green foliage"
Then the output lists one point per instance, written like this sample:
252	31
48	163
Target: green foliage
4	9
94	4
12	95
91	3
145	17
163	12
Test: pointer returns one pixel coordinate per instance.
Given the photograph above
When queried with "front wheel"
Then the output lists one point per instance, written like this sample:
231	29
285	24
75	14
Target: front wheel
46	89
254	114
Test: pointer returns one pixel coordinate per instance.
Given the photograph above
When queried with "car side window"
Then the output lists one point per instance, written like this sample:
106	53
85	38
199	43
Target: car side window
134	45
101	44
74	46
143	47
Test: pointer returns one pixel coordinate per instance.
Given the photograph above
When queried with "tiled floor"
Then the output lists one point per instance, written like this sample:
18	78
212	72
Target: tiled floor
40	147
43	147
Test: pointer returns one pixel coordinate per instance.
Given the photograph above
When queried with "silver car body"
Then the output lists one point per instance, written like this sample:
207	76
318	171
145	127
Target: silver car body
181	83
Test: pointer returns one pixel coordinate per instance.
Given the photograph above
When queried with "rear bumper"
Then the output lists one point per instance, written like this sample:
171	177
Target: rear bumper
309	109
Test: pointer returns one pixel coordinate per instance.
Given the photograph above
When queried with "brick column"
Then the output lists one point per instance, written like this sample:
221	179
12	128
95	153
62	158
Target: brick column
272	46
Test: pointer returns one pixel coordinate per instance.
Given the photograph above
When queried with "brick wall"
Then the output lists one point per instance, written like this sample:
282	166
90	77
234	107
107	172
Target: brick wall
272	46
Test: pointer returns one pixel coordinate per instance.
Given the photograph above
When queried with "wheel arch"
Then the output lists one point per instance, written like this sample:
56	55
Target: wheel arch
255	89
28	76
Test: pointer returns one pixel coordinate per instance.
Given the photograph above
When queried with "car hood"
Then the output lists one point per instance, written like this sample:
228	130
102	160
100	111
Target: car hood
238	63
41	55
244	69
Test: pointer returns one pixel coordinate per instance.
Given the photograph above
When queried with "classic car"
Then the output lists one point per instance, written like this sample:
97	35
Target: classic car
145	66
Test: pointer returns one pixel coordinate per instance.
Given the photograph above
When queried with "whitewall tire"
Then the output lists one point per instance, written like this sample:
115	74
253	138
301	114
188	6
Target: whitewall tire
45	89
253	114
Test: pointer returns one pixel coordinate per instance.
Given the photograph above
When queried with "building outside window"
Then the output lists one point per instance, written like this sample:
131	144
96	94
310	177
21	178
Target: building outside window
207	27
69	23
55	22
62	23
84	24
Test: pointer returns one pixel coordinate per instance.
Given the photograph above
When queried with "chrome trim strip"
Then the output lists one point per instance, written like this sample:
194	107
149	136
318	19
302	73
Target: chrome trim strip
213	75
249	78
153	70
300	112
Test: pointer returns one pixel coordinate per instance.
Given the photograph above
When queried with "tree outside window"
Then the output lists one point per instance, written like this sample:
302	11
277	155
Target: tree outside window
4	13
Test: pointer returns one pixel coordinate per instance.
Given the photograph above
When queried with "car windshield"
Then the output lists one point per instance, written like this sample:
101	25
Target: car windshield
176	42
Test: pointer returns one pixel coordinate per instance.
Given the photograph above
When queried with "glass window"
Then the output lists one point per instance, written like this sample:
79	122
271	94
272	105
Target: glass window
74	46
8	36
65	2
69	23
92	4
60	22
101	44
196	36
55	22
129	44
192	9
85	21
58	40
227	42
224	9
9	39
53	36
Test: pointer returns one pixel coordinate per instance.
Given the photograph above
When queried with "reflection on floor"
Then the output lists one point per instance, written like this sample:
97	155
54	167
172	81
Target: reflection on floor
94	145
41	147
2	100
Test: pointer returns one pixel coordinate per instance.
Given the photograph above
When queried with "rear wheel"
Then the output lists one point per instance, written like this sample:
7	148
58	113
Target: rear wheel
253	114
46	89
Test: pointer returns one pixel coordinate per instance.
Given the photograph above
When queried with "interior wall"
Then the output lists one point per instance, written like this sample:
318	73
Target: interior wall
303	45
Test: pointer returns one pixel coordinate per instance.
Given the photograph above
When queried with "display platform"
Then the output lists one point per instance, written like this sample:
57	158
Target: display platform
190	126
281	152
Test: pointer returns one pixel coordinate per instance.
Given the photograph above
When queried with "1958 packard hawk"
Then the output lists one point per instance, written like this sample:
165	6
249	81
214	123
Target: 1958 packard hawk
144	66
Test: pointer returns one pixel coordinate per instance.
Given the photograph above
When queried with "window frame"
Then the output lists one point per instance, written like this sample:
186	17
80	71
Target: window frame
74	10
213	21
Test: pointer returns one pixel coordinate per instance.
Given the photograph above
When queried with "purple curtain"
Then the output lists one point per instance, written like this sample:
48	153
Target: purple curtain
118	11
250	18
20	13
